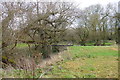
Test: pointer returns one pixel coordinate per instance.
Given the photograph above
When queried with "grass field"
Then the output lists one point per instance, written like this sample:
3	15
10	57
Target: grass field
88	62
79	62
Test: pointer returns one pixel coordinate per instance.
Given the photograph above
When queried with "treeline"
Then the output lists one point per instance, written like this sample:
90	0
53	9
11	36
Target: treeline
95	24
43	24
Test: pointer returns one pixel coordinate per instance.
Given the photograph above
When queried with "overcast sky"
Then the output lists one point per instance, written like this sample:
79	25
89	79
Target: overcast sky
82	3
86	3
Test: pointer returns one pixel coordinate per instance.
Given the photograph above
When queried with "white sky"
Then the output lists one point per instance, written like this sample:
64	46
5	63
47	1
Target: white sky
82	3
86	3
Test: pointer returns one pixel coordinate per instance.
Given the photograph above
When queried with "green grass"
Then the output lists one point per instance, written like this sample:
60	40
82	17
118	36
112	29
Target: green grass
21	45
90	51
90	44
88	62
85	62
106	44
